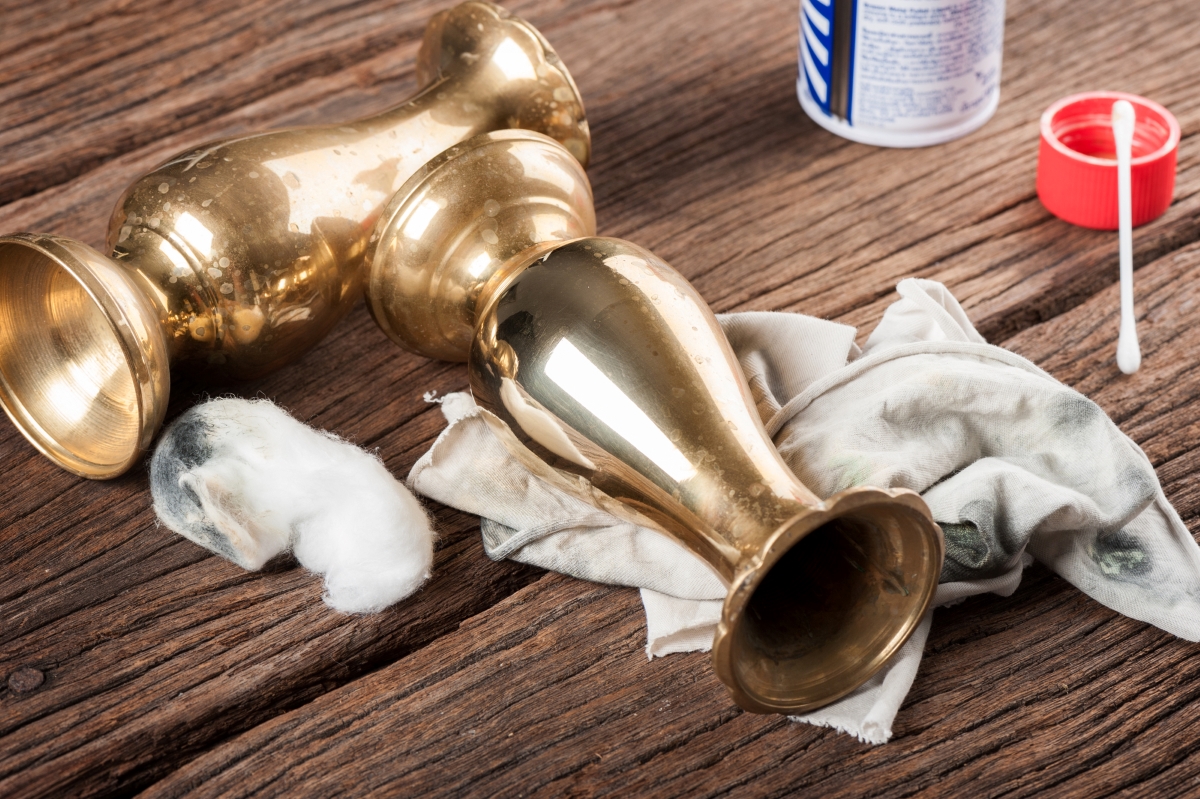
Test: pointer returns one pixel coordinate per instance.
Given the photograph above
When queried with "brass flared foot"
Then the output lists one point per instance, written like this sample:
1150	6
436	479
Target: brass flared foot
83	360
829	600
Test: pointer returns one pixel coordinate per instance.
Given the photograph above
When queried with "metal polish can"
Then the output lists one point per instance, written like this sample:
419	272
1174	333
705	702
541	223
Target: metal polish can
900	73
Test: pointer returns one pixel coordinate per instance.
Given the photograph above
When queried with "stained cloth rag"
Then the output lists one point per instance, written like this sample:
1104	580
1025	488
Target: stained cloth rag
1013	464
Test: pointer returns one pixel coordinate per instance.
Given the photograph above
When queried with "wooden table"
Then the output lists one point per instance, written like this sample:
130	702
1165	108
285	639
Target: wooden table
130	659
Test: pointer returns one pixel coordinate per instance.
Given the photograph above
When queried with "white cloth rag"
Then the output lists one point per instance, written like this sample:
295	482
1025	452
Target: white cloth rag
1013	464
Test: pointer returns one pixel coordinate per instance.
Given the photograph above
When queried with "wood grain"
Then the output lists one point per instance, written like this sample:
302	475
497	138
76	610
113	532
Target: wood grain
152	653
1043	691
112	76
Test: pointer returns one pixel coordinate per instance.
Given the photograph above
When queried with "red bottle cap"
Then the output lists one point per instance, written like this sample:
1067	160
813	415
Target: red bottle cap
1077	160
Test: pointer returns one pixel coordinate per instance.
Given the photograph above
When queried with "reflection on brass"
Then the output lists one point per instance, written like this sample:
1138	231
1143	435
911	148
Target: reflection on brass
236	257
434	249
605	373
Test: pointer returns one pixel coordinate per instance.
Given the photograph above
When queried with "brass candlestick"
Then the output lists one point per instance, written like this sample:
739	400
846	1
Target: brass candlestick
237	256
591	358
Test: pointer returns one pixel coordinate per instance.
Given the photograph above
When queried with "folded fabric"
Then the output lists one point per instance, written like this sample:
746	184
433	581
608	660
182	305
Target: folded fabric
1013	464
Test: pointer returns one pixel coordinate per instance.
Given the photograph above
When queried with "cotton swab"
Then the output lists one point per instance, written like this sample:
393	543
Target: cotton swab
1129	354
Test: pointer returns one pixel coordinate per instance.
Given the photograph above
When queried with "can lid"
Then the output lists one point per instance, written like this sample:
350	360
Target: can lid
1077	160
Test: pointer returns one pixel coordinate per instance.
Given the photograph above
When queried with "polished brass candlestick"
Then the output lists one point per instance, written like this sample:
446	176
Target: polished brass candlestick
237	256
604	372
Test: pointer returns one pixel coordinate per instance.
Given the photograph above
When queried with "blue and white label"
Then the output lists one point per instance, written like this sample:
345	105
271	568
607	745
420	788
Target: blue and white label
927	70
816	48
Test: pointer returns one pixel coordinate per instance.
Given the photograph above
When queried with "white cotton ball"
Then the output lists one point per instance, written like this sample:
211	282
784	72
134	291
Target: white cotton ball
247	481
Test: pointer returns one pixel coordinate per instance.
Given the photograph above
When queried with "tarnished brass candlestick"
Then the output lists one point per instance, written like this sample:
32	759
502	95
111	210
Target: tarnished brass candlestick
605	373
237	256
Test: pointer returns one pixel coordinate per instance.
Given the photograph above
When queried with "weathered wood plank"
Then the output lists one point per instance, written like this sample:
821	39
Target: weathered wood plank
196	649
140	635
1043	691
711	163
701	153
120	75
143	638
762	210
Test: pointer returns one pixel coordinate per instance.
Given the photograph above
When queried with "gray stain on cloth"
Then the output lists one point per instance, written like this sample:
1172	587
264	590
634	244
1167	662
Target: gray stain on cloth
1120	556
186	444
983	544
